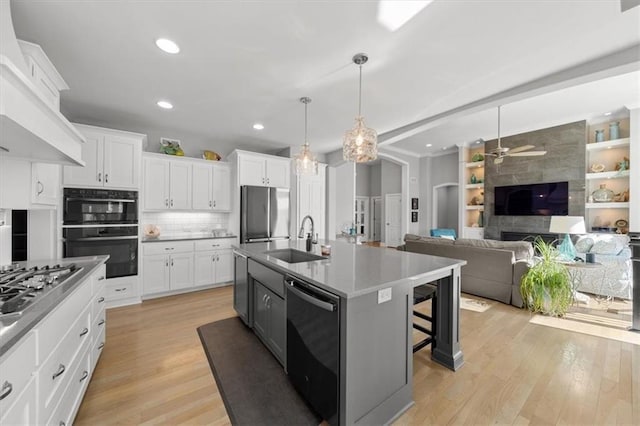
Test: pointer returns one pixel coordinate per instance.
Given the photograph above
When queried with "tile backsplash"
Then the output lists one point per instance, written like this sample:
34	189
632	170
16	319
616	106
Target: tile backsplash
186	222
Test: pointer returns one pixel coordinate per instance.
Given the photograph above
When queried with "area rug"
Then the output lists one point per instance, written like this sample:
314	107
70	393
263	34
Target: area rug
254	387
474	304
592	325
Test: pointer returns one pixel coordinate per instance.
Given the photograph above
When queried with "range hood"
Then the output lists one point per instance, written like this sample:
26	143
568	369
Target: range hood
30	128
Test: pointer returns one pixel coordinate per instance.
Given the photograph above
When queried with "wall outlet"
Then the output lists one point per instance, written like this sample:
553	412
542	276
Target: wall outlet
384	295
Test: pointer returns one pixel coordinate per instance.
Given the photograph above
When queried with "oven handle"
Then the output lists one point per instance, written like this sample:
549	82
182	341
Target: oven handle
125	237
102	200
327	306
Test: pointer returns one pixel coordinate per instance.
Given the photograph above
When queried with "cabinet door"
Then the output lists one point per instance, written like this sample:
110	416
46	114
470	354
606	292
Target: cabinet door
224	266
15	185
92	174
45	183
180	185
205	267
155	274
277	325
252	171
181	271
23	411
121	162
278	173
156	184
221	188
201	187
260	320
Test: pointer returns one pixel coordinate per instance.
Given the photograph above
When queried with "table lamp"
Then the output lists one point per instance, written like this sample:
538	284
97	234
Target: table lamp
567	225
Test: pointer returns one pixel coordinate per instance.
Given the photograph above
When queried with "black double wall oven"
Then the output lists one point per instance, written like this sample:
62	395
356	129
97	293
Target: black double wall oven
99	222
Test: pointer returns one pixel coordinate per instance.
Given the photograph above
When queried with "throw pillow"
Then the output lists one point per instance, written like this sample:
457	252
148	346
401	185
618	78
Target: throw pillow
606	247
584	244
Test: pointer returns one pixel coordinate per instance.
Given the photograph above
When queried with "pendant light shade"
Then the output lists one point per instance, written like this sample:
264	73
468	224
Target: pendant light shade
305	162
360	143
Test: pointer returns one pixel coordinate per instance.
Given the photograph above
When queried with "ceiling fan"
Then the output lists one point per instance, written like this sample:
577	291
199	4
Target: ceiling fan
500	152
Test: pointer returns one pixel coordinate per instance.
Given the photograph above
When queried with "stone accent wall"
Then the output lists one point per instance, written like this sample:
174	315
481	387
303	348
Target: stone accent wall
564	161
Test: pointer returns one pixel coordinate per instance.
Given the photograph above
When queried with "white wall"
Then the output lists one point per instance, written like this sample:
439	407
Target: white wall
375	180
435	171
363	181
340	197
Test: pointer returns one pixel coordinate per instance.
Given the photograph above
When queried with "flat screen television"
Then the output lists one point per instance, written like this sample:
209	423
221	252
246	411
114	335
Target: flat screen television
538	199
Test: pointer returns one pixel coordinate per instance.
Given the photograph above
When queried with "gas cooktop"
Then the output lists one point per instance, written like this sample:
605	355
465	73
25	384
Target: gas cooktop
21	288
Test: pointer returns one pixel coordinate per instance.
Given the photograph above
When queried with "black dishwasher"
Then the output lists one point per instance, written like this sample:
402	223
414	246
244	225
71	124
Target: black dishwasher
313	346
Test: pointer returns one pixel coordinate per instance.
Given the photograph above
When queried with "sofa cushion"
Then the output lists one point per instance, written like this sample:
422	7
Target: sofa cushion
607	247
520	249
584	244
437	240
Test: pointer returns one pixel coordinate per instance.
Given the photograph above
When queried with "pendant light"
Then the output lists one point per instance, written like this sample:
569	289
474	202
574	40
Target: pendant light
305	162
360	143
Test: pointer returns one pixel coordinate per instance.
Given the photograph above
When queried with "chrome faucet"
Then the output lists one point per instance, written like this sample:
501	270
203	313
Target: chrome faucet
313	238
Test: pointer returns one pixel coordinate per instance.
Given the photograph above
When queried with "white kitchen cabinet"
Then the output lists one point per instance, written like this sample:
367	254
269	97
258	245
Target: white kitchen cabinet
213	267
211	187
167	184
167	266
45	184
310	195
112	159
263	170
24	409
25	185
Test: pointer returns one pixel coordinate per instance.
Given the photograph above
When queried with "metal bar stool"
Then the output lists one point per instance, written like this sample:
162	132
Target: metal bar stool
422	294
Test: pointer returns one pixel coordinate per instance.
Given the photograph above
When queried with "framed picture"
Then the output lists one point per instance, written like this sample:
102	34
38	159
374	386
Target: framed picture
414	216
414	204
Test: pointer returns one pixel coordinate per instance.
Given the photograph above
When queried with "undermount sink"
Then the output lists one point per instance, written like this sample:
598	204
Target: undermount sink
293	256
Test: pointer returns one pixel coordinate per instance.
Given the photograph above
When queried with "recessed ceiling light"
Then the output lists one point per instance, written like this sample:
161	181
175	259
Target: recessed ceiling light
429	145
258	126
167	45
165	104
607	113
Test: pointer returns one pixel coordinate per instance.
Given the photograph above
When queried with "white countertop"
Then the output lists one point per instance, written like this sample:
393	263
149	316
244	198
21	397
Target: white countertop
353	270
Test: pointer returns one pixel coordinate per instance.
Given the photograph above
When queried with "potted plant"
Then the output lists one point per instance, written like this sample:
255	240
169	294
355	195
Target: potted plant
546	287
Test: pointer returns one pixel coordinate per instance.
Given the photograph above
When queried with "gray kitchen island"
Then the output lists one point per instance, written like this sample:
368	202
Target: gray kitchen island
341	325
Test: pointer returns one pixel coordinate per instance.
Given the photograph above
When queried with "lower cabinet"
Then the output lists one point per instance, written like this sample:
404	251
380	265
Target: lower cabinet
174	266
269	320
43	377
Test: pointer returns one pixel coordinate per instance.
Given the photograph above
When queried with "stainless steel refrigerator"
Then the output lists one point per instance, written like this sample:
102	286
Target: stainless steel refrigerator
264	214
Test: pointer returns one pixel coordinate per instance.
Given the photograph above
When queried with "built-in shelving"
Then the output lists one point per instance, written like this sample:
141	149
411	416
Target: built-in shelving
624	174
472	180
613	205
616	143
475	208
474	186
474	164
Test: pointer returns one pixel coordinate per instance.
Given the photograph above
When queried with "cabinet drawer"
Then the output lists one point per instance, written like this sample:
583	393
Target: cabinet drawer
57	370
65	411
17	368
167	248
99	300
268	277
206	245
98	345
99	278
121	288
23	411
99	324
54	326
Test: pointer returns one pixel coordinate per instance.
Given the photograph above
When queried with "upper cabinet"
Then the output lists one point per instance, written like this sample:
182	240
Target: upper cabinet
112	160
167	184
25	185
211	187
263	170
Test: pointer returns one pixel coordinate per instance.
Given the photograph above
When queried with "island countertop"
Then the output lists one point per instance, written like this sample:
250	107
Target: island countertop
354	270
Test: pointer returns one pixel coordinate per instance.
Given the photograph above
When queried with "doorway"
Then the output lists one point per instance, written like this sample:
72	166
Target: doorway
445	206
393	220
362	217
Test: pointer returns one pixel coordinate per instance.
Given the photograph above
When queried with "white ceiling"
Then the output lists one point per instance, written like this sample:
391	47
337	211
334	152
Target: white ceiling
246	62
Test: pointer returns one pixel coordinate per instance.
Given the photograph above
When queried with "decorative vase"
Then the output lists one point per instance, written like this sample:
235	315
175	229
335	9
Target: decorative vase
480	219
602	195
474	179
599	135
614	130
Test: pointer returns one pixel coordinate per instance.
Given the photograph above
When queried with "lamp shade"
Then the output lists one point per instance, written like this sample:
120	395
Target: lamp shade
567	225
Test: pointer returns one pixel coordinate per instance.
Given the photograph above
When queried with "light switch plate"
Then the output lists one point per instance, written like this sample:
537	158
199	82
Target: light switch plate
384	295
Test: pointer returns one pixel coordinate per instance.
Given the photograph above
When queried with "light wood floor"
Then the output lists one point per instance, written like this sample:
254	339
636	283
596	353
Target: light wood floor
153	371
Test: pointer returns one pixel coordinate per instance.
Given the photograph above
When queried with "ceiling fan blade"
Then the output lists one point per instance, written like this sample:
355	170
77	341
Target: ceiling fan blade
526	154
492	154
521	148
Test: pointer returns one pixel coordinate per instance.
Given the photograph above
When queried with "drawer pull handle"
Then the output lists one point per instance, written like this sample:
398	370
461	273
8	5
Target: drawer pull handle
101	345
62	423
101	278
85	374
99	177
169	248
40	188
61	369
121	289
6	390
101	322
84	331
106	178
100	300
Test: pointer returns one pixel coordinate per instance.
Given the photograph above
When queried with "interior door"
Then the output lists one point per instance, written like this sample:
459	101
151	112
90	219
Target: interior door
393	219
362	216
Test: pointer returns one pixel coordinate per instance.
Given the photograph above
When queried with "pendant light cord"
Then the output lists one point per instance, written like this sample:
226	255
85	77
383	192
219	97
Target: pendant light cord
305	124
498	125
360	94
